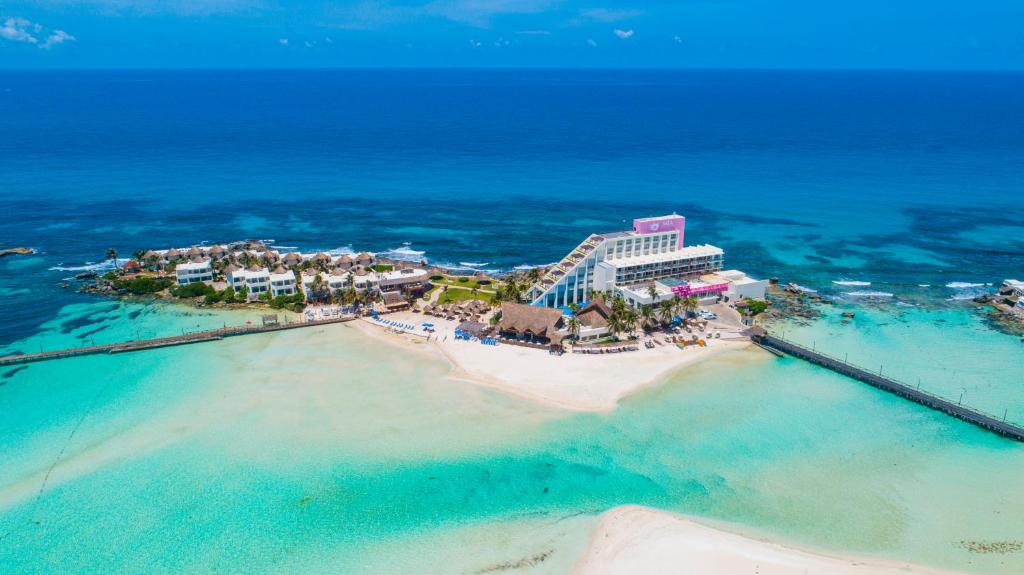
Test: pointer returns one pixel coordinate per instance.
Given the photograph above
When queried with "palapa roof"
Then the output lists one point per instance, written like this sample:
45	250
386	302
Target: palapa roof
150	254
218	250
322	257
172	253
345	259
393	298
231	268
280	270
364	256
254	268
194	251
522	318
293	257
594	314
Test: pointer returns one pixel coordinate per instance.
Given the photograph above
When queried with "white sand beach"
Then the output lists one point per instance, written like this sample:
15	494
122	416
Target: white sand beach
571	381
632	539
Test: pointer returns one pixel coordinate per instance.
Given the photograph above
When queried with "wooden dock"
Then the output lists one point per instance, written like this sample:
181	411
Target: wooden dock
185	339
972	416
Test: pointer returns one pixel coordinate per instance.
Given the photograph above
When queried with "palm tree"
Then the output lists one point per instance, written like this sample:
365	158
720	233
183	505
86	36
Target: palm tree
690	304
677	304
652	292
615	324
574	327
629	318
112	256
647	315
666	312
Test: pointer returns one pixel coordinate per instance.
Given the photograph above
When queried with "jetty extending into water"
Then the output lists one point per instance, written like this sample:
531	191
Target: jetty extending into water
185	339
972	416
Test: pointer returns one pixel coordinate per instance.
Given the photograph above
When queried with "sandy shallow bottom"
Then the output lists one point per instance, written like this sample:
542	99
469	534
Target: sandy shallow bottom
571	381
347	449
633	539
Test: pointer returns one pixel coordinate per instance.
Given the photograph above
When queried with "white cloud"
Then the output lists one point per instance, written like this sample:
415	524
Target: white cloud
57	37
624	34
26	32
677	39
534	32
609	15
282	41
591	43
17	30
308	44
329	40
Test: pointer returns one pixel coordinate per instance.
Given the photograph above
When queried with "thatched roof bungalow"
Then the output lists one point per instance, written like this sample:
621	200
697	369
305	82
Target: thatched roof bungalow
530	323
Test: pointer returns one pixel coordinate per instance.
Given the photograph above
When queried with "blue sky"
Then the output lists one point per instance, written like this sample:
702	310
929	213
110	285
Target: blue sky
905	34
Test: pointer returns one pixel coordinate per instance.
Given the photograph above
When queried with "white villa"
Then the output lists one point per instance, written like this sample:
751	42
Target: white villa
282	282
193	272
255	279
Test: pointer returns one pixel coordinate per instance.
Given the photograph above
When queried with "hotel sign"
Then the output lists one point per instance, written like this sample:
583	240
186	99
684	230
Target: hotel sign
661	225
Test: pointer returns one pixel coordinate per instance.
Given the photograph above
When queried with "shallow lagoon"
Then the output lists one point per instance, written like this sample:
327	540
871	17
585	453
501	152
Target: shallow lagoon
320	448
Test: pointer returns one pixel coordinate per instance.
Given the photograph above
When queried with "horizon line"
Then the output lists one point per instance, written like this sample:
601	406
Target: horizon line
497	68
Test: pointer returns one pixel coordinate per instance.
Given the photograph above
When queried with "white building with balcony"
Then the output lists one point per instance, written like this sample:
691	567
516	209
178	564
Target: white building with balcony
653	250
282	283
194	272
255	279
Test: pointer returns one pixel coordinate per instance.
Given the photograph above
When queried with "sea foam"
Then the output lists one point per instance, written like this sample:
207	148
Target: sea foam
852	283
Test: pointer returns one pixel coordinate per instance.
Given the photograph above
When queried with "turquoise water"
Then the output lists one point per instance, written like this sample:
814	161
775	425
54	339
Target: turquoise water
324	451
321	449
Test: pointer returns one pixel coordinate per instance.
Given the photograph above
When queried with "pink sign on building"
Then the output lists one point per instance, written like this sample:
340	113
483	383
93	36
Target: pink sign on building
661	225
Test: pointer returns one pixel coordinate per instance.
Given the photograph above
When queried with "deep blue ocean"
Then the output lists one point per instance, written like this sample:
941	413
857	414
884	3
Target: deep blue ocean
912	181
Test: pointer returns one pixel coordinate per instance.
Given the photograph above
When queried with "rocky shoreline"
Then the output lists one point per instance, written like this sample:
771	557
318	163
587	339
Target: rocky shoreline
20	251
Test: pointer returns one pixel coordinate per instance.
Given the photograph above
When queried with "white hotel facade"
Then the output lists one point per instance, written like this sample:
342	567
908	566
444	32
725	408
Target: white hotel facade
653	250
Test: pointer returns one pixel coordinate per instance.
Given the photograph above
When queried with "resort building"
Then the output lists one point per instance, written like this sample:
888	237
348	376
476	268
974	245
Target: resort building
282	282
193	272
741	286
530	324
653	250
593	319
255	279
406	279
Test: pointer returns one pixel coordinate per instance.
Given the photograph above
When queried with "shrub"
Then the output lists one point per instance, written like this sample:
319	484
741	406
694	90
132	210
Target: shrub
144	285
436	278
462	279
756	306
193	290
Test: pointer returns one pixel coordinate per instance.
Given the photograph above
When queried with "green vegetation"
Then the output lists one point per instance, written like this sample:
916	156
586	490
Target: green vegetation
143	285
382	267
454	294
464	281
226	296
295	302
193	290
110	276
756	306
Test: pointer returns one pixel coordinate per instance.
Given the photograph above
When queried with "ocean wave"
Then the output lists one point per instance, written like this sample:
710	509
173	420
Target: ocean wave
851	283
290	248
962	296
924	285
473	264
528	267
404	253
342	251
90	266
869	294
804	289
965	285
